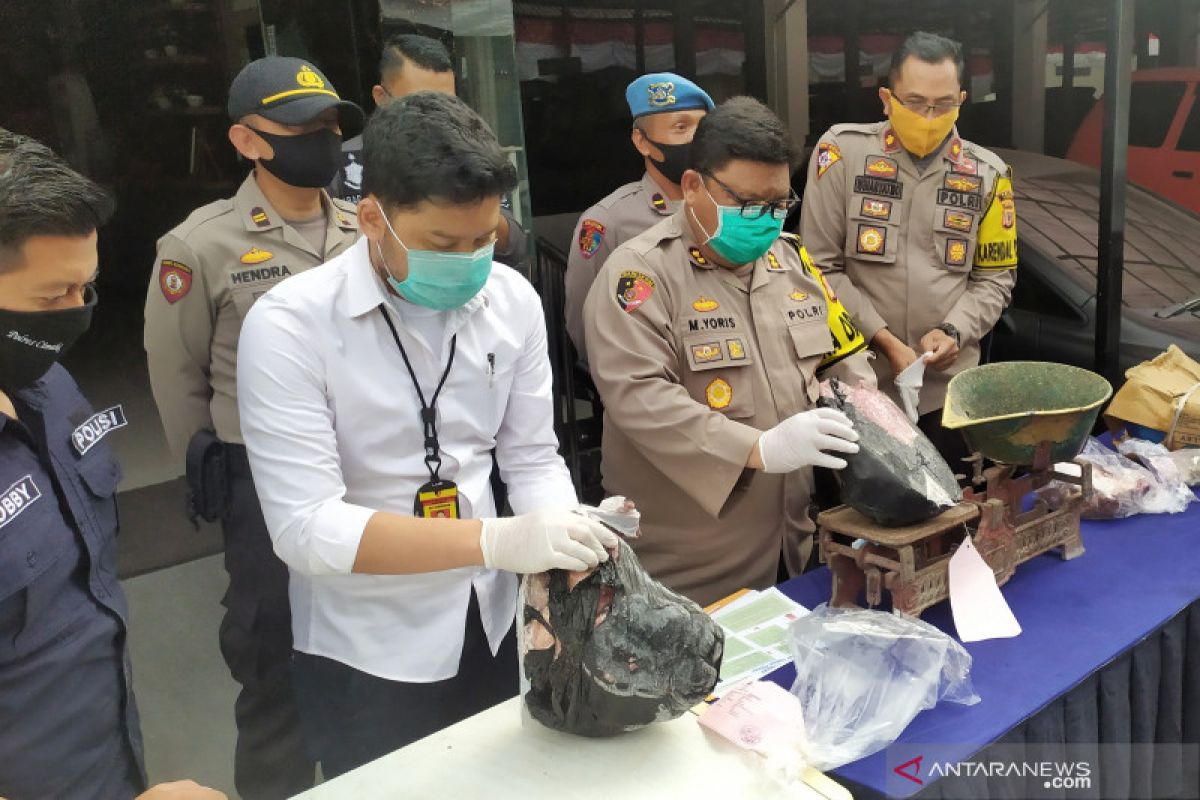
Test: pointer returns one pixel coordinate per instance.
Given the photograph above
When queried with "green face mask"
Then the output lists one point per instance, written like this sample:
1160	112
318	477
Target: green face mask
740	239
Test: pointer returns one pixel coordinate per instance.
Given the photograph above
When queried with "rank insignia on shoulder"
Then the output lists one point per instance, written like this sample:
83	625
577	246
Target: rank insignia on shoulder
704	304
876	209
956	252
958	220
591	235
658	201
697	257
880	167
719	394
256	256
633	289
871	239
259	217
773	263
956	148
890	143
736	350
828	154
174	279
707	353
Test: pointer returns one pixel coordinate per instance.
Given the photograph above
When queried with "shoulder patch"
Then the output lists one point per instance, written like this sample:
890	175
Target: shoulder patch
591	235
867	128
618	194
828	154
174	279
633	289
200	216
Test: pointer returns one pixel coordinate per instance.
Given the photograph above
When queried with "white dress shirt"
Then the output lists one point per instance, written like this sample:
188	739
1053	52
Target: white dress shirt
332	423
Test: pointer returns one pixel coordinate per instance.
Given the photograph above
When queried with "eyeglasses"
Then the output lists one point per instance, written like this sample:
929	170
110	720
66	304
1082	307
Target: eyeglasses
923	106
756	209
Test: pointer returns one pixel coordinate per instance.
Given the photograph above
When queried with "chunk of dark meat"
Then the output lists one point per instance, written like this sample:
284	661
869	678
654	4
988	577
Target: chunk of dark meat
897	477
612	650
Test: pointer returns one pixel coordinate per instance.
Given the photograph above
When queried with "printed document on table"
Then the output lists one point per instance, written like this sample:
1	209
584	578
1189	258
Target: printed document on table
756	635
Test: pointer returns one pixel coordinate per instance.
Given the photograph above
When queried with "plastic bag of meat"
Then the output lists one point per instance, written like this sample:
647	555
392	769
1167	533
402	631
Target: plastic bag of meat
897	477
612	650
1120	487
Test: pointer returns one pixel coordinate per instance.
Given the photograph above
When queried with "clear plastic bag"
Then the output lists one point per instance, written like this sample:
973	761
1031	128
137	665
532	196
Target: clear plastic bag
862	676
1175	470
1120	487
610	649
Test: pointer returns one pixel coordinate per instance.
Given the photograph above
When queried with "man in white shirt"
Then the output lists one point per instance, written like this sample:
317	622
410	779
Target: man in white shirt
372	392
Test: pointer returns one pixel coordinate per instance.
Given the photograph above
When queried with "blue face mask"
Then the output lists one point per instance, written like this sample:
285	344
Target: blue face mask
740	240
438	280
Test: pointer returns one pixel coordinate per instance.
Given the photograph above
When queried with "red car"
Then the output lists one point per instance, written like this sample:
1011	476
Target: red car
1164	134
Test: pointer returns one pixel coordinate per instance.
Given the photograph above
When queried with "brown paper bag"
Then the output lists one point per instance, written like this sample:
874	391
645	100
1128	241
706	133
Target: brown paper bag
1163	394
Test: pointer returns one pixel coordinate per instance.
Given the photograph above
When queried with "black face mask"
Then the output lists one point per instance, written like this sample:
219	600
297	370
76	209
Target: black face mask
31	341
675	159
308	160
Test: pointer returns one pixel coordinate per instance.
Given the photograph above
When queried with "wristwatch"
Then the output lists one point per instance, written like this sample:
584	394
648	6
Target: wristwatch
950	330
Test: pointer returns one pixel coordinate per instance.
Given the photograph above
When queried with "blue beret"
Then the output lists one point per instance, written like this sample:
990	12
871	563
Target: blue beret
665	91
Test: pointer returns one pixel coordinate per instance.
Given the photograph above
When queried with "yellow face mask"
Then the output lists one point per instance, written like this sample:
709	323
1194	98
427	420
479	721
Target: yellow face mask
919	134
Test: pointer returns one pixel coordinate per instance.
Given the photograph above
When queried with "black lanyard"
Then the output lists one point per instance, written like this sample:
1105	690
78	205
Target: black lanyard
433	458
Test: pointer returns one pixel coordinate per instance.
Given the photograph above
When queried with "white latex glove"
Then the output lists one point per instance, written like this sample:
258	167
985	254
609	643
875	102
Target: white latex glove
543	540
799	440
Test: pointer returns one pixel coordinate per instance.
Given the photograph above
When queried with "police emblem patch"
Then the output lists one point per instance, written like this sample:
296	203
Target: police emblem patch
963	183
256	256
633	289
174	279
707	353
798	296
880	167
876	209
704	304
736	350
956	252
719	394
661	94
828	154
591	235
958	221
872	240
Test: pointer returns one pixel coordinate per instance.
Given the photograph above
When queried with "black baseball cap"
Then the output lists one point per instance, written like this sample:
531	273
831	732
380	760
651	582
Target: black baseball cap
290	91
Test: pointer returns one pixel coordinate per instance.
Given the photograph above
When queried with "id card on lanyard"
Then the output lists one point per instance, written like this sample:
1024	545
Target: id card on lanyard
437	498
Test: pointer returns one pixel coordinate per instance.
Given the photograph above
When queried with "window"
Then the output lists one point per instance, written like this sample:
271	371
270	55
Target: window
1189	138
1152	108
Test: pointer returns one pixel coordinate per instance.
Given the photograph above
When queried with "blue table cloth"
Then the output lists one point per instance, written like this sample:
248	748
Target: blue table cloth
1139	578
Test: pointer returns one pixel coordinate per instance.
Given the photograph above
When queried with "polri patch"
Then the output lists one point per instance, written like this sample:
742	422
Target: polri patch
956	252
18	497
957	220
174	279
880	167
967	200
96	427
633	289
872	239
876	209
719	394
828	154
591	235
865	184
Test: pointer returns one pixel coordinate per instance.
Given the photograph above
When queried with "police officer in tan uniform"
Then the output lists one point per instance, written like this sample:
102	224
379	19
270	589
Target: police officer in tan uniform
915	228
666	109
209	271
705	335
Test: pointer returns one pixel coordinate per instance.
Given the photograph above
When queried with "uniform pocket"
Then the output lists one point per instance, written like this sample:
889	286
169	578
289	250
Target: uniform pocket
718	373
244	298
872	240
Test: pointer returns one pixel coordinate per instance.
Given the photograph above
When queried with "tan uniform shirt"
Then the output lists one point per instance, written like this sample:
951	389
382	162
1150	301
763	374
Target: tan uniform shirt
208	272
616	219
908	250
692	365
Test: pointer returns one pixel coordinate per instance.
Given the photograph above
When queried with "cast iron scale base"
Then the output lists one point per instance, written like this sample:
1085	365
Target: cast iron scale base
912	563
